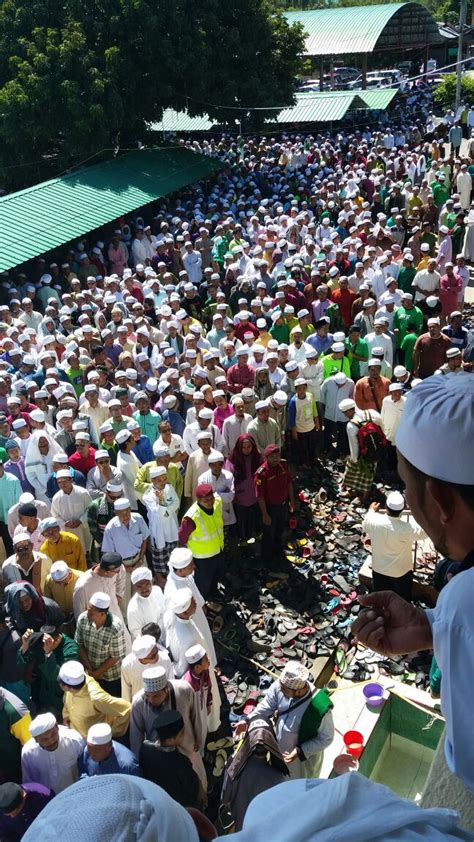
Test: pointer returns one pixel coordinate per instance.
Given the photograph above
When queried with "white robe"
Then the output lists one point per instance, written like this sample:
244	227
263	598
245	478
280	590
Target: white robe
128	465
142	610
464	186
180	635
132	672
73	506
162	508
175	583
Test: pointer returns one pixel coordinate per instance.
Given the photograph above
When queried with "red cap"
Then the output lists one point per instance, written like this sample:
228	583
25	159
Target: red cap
271	448
204	489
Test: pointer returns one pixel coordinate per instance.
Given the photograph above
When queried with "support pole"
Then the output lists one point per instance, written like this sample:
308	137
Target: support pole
462	23
321	72
364	71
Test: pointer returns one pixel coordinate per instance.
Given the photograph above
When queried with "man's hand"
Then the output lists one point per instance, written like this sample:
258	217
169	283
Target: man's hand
266	520
48	643
290	756
294	435
73	524
374	506
24	640
391	626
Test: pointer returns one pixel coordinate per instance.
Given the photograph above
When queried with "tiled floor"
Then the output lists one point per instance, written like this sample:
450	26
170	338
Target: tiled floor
403	767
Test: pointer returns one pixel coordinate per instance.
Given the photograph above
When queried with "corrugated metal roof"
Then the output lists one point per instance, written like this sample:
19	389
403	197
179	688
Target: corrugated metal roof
377	98
180	121
314	108
356	29
44	216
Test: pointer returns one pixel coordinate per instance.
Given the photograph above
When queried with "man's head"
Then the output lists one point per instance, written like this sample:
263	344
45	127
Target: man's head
181	562
155	685
205	495
98	607
272	455
109	565
437	475
434	328
169	728
45	732
123	511
294	680
142	580
99	742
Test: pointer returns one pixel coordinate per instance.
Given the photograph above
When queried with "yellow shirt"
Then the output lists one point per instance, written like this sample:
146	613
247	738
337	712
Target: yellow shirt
91	705
62	594
69	549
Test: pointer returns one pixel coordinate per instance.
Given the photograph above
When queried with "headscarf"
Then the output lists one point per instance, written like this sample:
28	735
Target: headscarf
259	733
240	462
33	455
21	619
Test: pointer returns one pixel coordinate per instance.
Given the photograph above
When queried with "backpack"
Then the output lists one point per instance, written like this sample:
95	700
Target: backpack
371	439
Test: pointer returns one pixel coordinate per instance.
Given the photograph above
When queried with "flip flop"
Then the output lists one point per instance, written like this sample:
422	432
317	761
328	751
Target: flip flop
224	742
217	625
220	763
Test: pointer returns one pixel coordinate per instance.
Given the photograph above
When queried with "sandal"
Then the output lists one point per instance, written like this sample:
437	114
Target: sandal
223	742
220	763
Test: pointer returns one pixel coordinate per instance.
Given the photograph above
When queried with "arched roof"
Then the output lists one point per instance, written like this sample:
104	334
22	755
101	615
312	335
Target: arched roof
365	29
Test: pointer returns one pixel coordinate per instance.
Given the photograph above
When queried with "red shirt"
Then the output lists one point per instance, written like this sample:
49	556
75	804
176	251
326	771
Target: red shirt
344	298
79	463
273	483
241	329
238	377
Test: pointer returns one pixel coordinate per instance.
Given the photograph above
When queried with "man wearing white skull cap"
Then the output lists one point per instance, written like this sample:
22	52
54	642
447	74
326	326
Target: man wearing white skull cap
146	652
147	604
50	757
104	756
101	639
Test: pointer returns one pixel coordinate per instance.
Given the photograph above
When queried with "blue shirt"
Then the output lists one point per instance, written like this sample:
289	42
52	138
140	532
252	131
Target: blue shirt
452	626
149	423
121	761
52	486
175	421
127	541
320	343
143	450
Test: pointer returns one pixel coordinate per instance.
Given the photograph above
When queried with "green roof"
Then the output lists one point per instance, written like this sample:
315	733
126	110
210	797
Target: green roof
45	216
362	29
180	121
310	107
328	106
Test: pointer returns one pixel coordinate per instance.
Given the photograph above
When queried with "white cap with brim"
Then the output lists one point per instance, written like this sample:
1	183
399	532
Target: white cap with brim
439	411
395	387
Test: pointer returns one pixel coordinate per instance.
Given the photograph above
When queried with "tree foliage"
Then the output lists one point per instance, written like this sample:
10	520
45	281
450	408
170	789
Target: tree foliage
444	94
80	76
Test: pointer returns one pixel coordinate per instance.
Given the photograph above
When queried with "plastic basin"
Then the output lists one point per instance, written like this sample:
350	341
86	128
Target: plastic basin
354	743
373	694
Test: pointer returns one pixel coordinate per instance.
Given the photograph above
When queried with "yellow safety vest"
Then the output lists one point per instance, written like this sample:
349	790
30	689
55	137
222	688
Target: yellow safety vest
207	539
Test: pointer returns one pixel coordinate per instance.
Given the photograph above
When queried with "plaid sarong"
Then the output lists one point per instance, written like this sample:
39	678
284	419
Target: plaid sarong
160	558
359	476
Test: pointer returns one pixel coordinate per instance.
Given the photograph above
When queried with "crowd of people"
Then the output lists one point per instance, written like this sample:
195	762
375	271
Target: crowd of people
163	385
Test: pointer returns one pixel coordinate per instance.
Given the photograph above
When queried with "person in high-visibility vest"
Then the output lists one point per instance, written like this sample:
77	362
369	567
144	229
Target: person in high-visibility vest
202	531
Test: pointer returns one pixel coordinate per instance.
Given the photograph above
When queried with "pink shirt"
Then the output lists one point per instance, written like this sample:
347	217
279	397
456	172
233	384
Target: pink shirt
221	414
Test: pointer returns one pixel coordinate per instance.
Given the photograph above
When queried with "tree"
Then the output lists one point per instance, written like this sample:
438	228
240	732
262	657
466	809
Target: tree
81	76
444	94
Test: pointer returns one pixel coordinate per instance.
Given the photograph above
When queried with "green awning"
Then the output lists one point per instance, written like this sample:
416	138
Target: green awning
180	121
363	29
47	215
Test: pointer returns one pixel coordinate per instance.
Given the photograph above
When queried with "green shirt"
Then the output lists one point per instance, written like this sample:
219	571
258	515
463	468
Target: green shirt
408	343
50	694
405	278
402	319
10	490
281	333
149	424
440	194
332	366
361	348
74	375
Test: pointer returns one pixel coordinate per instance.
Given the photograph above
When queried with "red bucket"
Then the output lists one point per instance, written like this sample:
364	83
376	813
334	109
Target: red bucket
354	743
